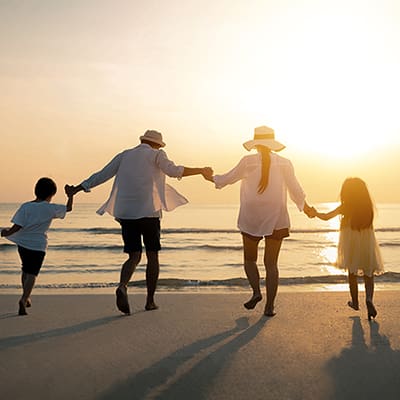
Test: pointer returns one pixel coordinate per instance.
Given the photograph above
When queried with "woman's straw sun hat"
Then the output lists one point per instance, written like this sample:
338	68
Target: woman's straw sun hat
264	136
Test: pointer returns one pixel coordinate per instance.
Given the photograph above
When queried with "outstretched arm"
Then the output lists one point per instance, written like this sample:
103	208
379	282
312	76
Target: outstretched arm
205	171
329	215
70	192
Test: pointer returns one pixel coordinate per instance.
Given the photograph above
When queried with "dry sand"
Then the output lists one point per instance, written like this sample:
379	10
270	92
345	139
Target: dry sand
200	346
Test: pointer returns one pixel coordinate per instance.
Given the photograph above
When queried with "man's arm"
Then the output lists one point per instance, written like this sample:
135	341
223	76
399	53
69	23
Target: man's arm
99	177
205	171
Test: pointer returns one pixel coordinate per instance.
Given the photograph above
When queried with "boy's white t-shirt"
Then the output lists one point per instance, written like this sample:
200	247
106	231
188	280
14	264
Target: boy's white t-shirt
35	219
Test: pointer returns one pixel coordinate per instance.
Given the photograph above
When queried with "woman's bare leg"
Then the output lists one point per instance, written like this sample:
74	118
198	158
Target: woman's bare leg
250	251
271	255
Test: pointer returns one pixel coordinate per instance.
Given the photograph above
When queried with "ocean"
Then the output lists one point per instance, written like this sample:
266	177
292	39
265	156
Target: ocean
201	249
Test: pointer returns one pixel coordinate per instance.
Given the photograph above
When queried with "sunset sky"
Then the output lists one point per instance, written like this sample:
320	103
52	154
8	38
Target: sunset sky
81	80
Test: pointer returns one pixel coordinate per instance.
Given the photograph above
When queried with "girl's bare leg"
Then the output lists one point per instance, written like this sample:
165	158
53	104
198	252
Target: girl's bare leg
353	286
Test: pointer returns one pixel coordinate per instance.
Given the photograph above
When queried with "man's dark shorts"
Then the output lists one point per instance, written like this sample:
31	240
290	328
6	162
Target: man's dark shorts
32	260
134	229
278	234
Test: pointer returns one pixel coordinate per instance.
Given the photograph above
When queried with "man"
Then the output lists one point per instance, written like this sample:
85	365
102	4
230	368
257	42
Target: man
138	196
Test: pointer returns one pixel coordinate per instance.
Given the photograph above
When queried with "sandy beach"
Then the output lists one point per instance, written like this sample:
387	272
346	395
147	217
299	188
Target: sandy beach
200	346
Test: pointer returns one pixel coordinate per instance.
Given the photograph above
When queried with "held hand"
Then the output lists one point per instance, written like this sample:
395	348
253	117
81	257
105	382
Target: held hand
4	232
311	212
70	190
208	174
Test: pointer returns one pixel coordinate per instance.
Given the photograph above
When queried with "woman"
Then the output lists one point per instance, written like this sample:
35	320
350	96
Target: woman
265	179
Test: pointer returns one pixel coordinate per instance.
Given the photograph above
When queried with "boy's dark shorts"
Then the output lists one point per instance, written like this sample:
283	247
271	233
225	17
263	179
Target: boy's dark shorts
134	229
278	234
32	260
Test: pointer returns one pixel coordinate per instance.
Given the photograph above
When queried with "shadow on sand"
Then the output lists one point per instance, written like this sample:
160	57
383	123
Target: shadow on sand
162	380
14	341
366	372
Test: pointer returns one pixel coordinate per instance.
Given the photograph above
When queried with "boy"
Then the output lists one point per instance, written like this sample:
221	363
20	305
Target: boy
31	223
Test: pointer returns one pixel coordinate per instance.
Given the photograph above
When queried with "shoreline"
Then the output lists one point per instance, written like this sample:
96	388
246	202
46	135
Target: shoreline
288	288
206	290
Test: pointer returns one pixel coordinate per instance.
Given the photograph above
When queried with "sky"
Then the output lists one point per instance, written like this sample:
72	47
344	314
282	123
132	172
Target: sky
82	80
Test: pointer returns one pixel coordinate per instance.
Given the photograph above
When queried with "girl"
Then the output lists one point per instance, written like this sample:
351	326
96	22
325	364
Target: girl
358	251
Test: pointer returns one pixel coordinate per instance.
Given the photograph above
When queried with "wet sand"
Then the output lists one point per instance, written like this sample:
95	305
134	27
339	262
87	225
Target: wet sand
200	346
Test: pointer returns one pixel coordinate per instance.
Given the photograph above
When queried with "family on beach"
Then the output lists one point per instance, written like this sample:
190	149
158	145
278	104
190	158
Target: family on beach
140	193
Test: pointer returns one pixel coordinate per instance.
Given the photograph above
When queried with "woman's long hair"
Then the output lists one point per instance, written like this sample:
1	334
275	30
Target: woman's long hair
265	166
358	210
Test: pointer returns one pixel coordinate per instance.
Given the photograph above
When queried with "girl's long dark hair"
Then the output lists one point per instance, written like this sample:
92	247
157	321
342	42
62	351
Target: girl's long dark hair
358	209
265	166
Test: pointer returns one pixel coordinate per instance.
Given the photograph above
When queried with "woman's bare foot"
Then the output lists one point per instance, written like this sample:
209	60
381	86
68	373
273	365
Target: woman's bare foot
253	301
269	312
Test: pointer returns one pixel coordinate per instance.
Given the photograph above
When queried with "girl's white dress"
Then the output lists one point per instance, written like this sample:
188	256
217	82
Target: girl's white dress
358	252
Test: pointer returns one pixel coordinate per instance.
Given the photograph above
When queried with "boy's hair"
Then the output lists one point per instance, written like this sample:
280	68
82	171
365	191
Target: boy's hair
357	204
44	188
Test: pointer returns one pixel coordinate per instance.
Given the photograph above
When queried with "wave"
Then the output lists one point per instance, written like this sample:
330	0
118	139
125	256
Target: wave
205	247
172	283
117	231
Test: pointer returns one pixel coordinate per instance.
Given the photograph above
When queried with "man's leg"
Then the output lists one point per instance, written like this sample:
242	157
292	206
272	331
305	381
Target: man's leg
152	272
127	270
129	267
250	249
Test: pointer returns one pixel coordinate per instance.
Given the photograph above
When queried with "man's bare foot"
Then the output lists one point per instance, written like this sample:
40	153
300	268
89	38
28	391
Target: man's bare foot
122	300
22	310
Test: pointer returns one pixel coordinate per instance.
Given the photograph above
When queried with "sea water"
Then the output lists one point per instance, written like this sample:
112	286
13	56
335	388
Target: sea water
201	247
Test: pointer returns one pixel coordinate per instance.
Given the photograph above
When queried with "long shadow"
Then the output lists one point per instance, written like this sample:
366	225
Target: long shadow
14	341
9	315
366	372
198	378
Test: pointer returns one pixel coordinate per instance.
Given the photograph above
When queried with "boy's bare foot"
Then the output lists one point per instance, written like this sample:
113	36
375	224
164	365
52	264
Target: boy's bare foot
29	303
22	310
150	306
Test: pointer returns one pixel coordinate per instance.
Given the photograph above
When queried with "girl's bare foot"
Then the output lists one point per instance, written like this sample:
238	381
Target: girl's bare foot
352	305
